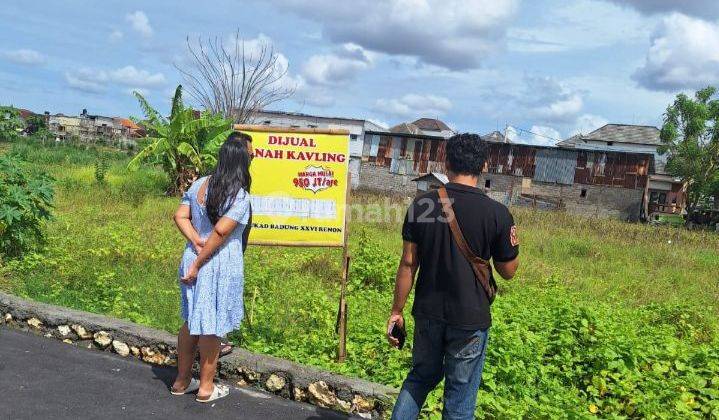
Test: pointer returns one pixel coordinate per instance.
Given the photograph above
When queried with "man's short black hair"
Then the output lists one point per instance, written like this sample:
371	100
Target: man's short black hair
466	154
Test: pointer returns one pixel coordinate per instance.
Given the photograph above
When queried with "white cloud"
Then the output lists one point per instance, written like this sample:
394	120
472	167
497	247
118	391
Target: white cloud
683	54
116	35
25	56
578	25
336	69
86	80
544	136
512	134
698	8
140	23
455	34
414	106
561	109
130	76
587	123
97	80
549	100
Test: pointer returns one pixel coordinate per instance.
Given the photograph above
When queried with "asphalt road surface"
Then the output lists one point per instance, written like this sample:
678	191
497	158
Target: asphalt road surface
44	378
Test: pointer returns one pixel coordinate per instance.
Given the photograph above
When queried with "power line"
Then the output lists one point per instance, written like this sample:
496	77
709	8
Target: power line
523	130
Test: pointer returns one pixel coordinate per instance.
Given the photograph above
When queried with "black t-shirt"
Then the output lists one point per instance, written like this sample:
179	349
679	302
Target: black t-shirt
447	289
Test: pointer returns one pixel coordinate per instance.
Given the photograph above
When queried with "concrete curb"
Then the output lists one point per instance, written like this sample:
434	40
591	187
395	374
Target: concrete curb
279	376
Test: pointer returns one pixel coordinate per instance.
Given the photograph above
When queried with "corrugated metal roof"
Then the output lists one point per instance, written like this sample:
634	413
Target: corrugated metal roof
438	175
619	133
431	124
555	166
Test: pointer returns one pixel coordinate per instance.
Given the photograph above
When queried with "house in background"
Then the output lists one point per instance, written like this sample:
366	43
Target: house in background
129	128
597	183
429	182
356	127
90	128
392	158
495	137
664	193
64	127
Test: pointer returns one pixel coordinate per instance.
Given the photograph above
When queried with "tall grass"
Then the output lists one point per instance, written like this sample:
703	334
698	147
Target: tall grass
604	317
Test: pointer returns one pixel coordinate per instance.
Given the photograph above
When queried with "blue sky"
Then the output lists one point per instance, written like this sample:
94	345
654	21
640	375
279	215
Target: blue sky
553	67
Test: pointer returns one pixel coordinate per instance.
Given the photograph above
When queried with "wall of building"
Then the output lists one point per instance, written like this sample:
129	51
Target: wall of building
373	177
660	161
589	200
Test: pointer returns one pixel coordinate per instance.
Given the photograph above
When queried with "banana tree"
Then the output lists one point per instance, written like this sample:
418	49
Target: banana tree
185	144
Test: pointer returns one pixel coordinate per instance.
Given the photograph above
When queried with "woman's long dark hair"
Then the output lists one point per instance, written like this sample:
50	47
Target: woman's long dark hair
231	174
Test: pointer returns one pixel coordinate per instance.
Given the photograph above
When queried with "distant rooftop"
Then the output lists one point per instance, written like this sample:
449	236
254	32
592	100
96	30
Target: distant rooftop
302	115
618	133
431	124
495	137
406	128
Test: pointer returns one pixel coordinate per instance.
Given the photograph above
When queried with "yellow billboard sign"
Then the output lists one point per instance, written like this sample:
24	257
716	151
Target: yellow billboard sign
299	185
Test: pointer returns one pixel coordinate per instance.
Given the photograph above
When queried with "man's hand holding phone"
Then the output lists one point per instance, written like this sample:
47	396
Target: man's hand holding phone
395	330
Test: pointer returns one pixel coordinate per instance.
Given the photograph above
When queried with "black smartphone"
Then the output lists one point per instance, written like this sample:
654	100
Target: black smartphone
400	334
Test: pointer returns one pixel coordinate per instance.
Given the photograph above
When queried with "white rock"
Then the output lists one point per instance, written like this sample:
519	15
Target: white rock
321	394
151	356
361	404
299	394
81	332
344	406
35	323
120	348
135	351
67	341
275	383
102	339
64	330
8	317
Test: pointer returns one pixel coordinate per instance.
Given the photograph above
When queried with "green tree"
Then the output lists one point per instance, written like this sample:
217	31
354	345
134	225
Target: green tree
10	123
25	202
185	145
690	137
35	123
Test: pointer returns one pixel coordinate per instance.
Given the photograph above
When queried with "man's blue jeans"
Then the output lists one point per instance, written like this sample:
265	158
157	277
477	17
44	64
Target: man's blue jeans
441	351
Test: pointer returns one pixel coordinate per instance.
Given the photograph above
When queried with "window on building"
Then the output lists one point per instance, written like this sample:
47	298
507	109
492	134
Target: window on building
583	193
610	143
312	125
266	122
487	183
353	136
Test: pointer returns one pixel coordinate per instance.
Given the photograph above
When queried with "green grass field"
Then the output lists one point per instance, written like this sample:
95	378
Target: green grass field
603	318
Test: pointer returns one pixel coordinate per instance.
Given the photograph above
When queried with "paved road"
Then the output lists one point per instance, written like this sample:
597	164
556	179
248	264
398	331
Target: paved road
43	378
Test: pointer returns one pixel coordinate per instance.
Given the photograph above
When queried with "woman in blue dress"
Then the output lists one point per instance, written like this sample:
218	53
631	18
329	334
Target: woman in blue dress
212	216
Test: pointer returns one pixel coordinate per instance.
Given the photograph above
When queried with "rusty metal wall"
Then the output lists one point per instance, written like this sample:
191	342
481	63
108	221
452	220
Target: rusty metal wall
555	165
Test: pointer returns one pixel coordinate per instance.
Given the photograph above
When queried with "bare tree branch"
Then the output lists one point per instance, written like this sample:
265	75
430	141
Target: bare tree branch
233	80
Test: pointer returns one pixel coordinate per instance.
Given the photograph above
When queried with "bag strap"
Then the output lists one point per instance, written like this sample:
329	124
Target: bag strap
456	231
480	266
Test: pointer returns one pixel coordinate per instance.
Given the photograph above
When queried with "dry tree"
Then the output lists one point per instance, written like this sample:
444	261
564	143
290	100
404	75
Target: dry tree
235	78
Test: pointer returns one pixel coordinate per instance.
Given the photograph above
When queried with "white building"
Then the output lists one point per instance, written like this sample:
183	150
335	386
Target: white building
356	128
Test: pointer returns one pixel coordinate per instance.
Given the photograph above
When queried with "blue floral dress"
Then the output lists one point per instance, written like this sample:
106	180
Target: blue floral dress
213	305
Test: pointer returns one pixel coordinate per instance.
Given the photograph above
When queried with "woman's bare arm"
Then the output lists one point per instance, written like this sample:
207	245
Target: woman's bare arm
223	228
183	220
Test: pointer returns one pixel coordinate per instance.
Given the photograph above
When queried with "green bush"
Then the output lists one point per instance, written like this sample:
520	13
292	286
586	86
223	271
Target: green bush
25	202
372	266
101	167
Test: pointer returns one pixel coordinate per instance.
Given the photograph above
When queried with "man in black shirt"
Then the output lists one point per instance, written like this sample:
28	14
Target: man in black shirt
451	307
